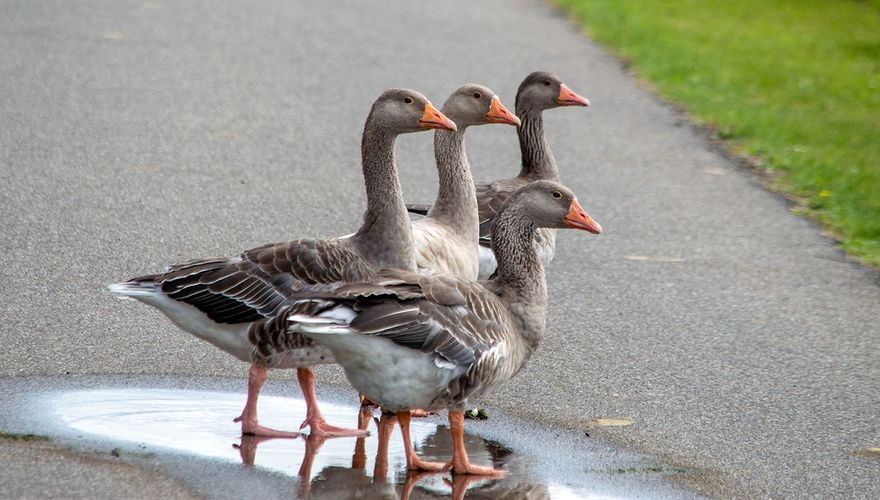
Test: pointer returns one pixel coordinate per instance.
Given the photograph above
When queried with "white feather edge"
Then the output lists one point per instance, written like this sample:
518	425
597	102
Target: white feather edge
333	321
128	290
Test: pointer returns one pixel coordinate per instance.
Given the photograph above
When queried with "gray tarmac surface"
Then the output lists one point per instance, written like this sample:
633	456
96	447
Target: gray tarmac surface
736	336
181	429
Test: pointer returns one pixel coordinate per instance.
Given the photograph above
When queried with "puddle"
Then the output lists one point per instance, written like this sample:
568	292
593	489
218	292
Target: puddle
169	424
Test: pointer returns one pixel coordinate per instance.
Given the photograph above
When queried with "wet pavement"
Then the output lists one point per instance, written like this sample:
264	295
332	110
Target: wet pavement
137	133
184	428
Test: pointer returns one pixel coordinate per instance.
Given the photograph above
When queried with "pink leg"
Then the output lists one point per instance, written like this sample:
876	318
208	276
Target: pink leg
460	484
359	457
313	444
247	450
413	462
386	427
314	418
460	463
412	478
248	417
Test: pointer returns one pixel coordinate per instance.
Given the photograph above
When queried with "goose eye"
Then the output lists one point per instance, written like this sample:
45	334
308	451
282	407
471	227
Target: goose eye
547	82
478	95
408	100
557	195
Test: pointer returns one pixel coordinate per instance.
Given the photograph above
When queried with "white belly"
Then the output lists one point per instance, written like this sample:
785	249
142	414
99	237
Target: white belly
395	377
488	264
231	338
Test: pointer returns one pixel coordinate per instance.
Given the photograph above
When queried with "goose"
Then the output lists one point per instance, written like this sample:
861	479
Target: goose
538	92
407	340
446	240
228	301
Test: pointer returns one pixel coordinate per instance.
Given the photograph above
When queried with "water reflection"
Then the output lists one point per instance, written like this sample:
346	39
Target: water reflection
198	423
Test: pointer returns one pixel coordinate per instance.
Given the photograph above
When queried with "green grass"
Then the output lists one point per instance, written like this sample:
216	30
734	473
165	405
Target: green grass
12	436
794	83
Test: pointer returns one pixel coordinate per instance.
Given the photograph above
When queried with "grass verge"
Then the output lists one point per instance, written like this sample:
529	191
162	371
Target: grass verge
793	83
23	437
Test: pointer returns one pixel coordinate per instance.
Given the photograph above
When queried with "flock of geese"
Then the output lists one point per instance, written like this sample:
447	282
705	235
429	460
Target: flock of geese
398	304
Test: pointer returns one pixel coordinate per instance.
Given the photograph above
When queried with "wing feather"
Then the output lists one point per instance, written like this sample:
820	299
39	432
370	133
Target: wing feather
256	284
454	320
490	198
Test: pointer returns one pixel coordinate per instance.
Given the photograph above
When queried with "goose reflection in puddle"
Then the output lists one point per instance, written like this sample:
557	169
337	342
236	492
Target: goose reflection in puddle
196	423
336	481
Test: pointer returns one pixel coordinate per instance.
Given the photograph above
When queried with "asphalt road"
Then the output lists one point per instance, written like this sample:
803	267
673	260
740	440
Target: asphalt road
736	336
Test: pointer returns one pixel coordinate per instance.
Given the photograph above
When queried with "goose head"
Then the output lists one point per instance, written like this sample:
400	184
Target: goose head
403	111
550	204
542	90
477	105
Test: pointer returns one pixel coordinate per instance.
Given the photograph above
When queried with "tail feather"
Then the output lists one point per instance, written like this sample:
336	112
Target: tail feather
301	325
137	287
319	316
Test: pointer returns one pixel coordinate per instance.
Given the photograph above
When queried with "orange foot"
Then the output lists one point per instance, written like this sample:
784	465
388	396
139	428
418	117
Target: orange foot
252	428
319	427
460	463
476	470
413	462
417	464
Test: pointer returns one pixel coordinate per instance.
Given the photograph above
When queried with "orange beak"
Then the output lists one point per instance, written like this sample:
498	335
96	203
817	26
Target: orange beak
432	118
499	114
568	97
577	218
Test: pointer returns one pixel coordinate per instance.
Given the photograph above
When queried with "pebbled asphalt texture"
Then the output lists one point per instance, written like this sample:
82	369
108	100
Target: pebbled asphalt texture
739	339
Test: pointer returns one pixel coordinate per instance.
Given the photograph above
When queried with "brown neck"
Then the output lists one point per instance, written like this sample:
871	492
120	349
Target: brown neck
385	236
520	275
537	159
456	202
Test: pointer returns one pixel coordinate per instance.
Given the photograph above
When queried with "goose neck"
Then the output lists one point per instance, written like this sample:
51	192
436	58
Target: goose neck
537	159
519	268
520	280
385	235
456	201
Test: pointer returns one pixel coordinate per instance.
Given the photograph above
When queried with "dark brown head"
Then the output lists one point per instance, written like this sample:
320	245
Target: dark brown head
550	204
473	104
542	90
402	110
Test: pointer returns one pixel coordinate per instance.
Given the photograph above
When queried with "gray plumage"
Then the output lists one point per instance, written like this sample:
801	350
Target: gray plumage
248	289
470	334
446	241
536	93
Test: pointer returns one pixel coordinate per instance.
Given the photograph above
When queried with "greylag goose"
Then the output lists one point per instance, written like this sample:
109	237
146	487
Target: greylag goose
446	241
415	341
538	92
228	301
